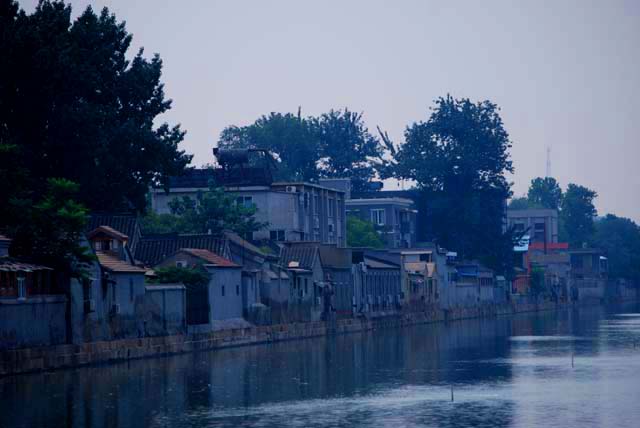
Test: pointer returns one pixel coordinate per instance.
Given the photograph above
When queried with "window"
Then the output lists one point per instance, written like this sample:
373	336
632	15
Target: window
538	232
306	200
425	257
306	286
316	204
246	201
576	261
377	216
222	289
277	235
131	289
237	290
332	206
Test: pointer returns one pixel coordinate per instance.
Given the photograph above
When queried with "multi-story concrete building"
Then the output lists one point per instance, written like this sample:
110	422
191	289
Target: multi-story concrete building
541	224
293	211
393	217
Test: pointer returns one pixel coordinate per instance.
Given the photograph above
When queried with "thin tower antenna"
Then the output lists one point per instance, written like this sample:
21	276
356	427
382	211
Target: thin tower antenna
548	161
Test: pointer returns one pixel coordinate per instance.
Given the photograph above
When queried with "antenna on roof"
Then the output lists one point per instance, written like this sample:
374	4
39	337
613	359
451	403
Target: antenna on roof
548	173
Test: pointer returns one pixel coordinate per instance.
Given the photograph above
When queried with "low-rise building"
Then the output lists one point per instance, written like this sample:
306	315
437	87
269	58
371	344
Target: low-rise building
220	299
394	218
589	274
540	224
293	211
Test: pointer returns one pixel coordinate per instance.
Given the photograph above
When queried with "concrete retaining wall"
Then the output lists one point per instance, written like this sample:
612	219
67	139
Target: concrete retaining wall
64	356
36	321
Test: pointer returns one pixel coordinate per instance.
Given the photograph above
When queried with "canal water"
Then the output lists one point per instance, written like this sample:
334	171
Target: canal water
573	368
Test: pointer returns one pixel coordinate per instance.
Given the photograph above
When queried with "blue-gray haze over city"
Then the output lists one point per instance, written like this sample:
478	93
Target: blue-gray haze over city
565	73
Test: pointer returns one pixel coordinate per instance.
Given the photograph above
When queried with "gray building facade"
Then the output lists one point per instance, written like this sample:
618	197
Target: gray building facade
394	218
542	224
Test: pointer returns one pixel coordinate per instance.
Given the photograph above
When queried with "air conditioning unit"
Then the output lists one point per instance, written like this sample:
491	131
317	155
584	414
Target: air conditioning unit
291	189
89	305
115	309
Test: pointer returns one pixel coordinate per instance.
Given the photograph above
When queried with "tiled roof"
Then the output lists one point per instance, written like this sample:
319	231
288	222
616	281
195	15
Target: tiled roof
302	257
153	249
209	257
114	264
333	257
124	223
8	264
238	240
108	231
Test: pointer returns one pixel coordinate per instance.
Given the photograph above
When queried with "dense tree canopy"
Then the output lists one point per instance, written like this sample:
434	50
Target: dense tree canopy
362	233
619	238
73	106
212	212
347	148
290	138
545	193
459	157
577	215
335	144
52	229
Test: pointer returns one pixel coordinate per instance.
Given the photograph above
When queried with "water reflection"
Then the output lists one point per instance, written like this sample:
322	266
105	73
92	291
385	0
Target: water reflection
504	372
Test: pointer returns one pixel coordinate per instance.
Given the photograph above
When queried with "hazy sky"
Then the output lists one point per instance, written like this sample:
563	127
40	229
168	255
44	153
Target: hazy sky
565	73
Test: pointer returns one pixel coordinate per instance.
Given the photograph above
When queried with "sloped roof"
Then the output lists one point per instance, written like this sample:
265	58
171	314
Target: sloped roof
8	264
209	257
125	223
108	231
304	256
373	263
114	264
333	257
238	240
153	249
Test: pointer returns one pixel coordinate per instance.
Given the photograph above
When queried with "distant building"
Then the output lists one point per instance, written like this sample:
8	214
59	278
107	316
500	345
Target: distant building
393	217
589	274
221	298
294	211
540	224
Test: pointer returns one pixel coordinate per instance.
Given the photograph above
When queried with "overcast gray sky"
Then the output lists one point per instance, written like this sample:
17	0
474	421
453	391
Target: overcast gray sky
565	73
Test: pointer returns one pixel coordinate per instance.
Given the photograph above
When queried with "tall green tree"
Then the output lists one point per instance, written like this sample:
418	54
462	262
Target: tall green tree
619	238
520	203
545	193
335	144
73	106
459	158
290	138
577	215
52	228
347	148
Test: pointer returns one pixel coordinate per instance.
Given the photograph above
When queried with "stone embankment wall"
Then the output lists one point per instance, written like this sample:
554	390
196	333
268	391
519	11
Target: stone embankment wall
64	356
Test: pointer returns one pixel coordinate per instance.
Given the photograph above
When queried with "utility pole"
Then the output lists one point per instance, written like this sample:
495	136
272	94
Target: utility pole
548	173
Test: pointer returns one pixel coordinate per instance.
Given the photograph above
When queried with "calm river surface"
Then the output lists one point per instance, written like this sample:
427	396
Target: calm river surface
511	371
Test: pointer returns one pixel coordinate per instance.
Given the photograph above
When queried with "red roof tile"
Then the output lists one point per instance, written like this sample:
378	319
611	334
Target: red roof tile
108	231
209	257
114	264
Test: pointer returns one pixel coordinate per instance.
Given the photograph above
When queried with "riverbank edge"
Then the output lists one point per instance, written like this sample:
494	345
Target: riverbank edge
31	360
